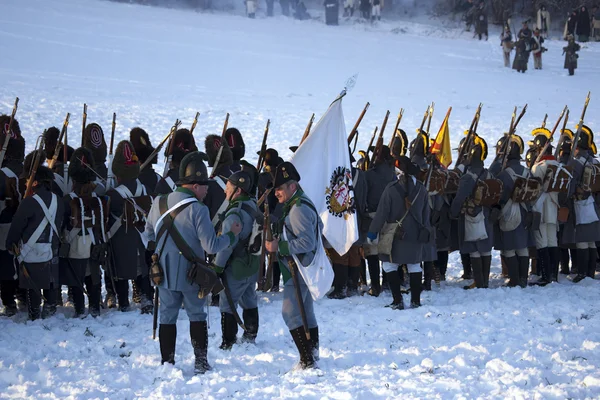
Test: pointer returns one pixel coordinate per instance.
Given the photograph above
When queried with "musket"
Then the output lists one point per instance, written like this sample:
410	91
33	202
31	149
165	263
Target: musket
294	271
510	133
84	120
545	148
370	144
194	123
424	119
169	137
469	137
65	165
562	137
160	145
220	152
354	130
63	131
111	176
155	314
429	117
267	235
544	121
263	147
307	130
7	131
433	159
34	166
579	128
25	271
400	114
379	143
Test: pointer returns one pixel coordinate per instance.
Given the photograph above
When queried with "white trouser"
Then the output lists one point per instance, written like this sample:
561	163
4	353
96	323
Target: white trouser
376	11
585	245
518	252
391	267
546	236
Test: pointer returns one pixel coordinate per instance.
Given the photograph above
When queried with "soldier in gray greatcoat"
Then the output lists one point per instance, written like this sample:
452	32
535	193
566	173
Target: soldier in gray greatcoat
582	228
475	230
301	225
34	231
238	265
513	217
380	173
193	224
401	228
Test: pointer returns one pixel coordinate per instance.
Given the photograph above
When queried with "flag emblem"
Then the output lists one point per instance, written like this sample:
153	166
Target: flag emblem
338	195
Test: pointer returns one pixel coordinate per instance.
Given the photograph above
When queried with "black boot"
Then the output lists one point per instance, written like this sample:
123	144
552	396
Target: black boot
415	289
373	263
94	296
543	267
466	263
593	256
199	337
59	298
8	289
276	276
553	257
442	264
49	308
70	299
486	263
251	323
145	293
428	275
477	269
122	287
582	261
523	270
167	336
339	281
111	297
314	339
304	347
229	330
574	264
564	261
384	281
363	272
353	277
33	304
78	301
512	264
394	281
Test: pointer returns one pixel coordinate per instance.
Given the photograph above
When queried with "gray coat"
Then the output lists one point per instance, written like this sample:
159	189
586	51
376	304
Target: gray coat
573	233
234	214
194	225
377	180
518	238
360	199
466	186
392	208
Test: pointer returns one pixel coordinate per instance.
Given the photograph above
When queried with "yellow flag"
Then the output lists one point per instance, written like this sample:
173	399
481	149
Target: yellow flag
441	145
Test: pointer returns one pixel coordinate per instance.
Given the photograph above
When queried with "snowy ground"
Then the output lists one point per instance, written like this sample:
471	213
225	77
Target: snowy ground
152	65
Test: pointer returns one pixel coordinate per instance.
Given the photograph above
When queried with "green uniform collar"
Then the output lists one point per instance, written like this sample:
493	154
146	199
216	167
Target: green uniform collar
294	200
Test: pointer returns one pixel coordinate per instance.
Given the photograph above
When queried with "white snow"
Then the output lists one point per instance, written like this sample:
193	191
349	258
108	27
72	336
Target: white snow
153	65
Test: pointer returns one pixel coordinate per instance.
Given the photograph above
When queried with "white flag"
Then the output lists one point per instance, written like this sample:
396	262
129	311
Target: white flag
324	165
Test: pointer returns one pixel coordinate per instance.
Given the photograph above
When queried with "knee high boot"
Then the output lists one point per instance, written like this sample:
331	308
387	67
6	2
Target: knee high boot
543	267
574	264
512	265
466	263
304	346
523	271
553	257
8	290
167	337
427	275
251	323
111	299
94	296
363	272
582	258
122	287
394	281
505	272
199	338
276	276
78	301
486	263
442	264
353	276
477	270
229	330
591	269
49	308
415	288
339	281
564	261
34	301
314	339
373	262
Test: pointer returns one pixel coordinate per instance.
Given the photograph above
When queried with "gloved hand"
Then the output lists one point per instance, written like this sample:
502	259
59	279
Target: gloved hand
218	270
372	238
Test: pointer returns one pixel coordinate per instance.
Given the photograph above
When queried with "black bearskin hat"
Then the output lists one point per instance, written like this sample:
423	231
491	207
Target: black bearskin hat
141	143
183	143
285	173
50	140
28	163
384	156
236	143
270	158
81	166
125	165
16	146
399	144
93	140
213	144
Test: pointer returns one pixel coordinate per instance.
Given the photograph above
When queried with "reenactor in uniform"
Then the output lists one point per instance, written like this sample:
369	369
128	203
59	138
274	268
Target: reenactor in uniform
570	53
93	140
191	219
10	196
582	228
34	238
51	135
475	229
513	217
239	265
127	249
507	45
380	173
301	224
215	199
183	143
238	149
143	148
563	158
401	228
75	267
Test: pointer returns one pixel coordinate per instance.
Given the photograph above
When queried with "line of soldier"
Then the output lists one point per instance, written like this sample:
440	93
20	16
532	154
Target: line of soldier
78	227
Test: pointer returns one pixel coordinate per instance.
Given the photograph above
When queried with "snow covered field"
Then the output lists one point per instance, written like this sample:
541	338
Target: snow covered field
152	65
